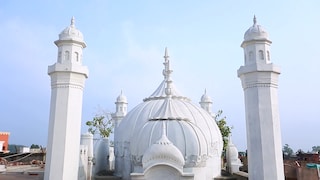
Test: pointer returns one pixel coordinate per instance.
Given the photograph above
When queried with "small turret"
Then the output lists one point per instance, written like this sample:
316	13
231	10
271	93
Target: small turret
206	102
233	160
121	109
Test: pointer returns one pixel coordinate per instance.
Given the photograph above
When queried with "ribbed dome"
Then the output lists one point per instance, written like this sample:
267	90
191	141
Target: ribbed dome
122	98
189	127
255	32
163	151
71	33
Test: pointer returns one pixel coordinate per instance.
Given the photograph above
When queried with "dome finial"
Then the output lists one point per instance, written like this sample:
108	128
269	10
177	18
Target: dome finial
229	139
254	20
167	72
72	21
166	56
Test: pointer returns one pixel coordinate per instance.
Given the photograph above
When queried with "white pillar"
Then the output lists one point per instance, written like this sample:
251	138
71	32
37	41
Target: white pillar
87	140
67	82
260	84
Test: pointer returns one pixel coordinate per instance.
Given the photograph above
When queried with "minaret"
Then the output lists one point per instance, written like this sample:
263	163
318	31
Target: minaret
206	102
68	77
121	109
259	79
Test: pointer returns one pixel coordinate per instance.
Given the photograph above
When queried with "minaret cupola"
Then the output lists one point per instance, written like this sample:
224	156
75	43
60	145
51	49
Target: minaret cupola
256	45
70	45
121	104
206	102
121	110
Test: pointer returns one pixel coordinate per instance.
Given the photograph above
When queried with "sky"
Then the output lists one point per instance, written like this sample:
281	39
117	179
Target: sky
125	47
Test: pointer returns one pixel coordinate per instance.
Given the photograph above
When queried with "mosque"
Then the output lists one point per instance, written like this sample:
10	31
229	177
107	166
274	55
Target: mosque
166	136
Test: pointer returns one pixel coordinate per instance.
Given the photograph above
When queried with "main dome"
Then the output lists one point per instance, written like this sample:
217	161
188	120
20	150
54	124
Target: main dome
189	127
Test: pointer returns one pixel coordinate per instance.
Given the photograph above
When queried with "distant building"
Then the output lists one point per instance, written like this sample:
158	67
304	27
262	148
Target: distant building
35	150
4	141
24	149
310	157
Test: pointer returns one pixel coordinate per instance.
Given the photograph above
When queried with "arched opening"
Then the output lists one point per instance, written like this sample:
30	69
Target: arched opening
67	55
261	55
161	172
76	56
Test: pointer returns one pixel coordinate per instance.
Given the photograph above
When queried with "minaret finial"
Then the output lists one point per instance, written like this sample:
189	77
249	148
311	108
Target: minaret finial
167	72
166	56
205	90
229	139
72	21
254	20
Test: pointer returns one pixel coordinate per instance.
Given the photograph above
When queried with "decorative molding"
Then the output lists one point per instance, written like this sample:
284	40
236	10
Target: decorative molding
254	85
67	85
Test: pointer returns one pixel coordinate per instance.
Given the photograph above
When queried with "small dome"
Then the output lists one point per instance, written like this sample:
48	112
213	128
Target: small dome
163	151
255	32
71	32
122	98
232	151
205	97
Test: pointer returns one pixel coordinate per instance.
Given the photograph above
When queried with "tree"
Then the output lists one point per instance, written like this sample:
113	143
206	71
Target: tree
34	146
316	149
101	124
287	151
224	128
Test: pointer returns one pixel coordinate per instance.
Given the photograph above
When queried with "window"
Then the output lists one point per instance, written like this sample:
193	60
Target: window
76	54
66	55
261	55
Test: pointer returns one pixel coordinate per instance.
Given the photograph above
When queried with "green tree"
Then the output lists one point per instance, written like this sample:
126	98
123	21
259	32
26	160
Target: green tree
287	151
316	149
101	124
224	128
34	146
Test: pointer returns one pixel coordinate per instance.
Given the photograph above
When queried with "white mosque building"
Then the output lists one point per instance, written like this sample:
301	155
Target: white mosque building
166	136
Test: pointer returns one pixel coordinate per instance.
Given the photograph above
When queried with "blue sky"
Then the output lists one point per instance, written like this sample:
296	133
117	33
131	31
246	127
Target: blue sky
125	47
